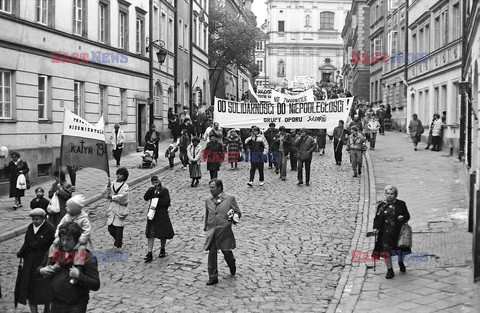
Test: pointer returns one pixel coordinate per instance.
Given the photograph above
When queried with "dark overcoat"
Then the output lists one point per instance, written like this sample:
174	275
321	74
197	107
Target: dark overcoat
161	226
33	287
214	155
217	225
14	171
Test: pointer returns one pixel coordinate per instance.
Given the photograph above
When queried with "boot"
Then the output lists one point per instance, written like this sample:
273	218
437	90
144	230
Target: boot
390	273
148	258
403	269
162	253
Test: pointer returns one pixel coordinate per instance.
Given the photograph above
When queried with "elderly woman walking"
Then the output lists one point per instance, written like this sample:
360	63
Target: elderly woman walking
390	216
234	145
194	154
15	168
416	130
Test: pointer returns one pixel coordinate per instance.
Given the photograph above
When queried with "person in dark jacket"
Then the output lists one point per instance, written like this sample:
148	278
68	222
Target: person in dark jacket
39	201
391	214
284	142
63	192
269	134
294	150
15	168
153	137
306	146
258	149
340	134
160	226
213	155
67	296
38	238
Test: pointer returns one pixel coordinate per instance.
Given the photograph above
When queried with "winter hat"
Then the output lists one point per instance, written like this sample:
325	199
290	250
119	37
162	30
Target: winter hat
75	204
68	187
37	212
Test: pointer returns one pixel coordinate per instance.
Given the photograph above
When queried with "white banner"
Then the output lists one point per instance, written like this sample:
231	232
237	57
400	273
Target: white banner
306	96
264	93
308	114
75	126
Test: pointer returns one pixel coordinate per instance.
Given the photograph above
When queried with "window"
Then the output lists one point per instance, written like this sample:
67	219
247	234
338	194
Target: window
123	105
139	46
180	33
42	11
200	24
158	99
123	30
281	68
392	4
260	65
456	103
443	99
78	98
436	99
457	20
259	46
327	20
414	43
5	95
42	97
194	39
163	29
445	27
307	21
185	37
377	45
281	26
170	34
103	23
6	6
44	169
421	41
156	24
103	102
427	39
79	14
205	38
392	41
436	38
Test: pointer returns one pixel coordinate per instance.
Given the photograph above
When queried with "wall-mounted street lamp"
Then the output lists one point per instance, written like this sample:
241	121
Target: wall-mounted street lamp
161	56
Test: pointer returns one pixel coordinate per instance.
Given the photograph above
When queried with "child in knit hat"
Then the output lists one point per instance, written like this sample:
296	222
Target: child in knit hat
170	154
75	214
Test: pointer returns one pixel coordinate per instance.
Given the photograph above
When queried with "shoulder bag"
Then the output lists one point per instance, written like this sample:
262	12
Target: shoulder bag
405	237
54	206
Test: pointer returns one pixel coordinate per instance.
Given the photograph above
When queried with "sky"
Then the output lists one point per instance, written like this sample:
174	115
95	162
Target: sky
259	8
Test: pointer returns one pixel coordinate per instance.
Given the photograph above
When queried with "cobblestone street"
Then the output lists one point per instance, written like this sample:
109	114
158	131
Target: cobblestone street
291	246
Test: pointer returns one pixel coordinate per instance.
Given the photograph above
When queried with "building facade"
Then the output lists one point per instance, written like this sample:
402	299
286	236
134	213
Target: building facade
377	41
356	67
184	50
304	39
261	57
434	71
200	69
84	55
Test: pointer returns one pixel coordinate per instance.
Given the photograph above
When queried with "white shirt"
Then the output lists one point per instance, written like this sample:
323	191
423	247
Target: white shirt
35	228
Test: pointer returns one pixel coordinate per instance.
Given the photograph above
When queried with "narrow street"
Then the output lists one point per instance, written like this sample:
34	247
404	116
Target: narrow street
291	246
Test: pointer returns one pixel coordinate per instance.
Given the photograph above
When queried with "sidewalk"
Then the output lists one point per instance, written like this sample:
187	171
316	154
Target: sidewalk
90	182
430	183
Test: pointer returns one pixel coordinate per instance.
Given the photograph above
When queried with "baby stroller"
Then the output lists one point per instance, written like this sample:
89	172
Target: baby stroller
148	156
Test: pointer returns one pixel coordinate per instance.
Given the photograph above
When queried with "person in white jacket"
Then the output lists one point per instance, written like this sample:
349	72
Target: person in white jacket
194	154
117	138
373	126
437	133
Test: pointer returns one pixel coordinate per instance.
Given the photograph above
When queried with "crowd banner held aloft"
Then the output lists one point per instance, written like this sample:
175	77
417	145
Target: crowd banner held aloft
83	144
306	96
264	94
308	114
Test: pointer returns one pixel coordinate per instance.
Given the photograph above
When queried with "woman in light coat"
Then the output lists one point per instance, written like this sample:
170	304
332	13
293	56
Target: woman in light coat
194	154
117	138
416	130
117	210
437	133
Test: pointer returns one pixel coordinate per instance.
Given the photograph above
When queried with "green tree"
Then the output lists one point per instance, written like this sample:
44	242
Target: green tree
231	42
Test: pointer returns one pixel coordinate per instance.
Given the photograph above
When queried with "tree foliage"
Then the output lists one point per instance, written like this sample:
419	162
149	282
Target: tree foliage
231	40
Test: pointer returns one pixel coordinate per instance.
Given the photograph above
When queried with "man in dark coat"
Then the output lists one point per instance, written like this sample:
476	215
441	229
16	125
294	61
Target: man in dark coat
38	239
269	134
213	155
221	211
283	141
306	146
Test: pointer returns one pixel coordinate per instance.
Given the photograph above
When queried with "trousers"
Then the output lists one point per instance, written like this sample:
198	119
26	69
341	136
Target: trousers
254	167
212	260
117	233
307	163
282	164
356	157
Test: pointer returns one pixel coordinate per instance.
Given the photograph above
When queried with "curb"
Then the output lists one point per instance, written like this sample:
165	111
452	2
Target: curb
23	229
353	275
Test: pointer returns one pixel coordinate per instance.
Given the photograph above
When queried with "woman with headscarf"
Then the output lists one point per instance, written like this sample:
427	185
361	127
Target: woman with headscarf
390	216
234	145
194	154
15	168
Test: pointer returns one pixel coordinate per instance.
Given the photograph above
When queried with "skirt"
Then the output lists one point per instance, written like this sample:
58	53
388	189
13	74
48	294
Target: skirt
195	170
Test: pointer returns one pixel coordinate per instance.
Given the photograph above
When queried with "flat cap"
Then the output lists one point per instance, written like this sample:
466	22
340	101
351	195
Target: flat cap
37	212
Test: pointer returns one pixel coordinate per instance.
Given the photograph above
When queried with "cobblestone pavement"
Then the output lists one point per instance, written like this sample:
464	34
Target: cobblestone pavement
291	246
431	184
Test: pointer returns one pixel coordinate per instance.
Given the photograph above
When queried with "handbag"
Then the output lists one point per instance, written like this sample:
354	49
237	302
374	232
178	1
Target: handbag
152	208
405	237
21	182
54	205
